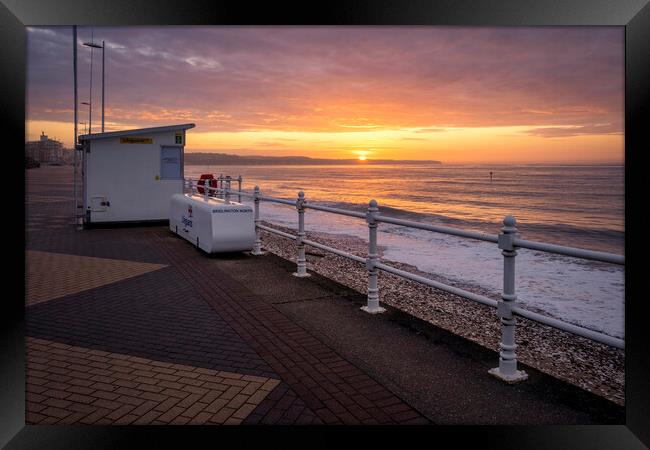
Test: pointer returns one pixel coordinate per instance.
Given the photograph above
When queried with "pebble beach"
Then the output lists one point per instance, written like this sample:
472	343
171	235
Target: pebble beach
592	366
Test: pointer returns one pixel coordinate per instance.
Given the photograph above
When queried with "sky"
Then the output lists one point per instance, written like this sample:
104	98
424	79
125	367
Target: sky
454	94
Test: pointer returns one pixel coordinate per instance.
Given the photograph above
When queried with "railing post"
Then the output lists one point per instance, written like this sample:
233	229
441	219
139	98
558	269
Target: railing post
227	197
239	189
301	261
257	249
221	185
206	192
507	370
373	290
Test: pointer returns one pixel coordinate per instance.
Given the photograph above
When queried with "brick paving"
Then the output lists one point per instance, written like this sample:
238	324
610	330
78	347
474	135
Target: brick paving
336	390
167	337
156	315
68	384
52	275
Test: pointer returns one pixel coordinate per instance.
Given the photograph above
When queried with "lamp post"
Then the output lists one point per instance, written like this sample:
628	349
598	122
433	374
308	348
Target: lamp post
92	46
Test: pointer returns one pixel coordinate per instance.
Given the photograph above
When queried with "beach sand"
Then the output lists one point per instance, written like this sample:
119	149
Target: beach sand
590	365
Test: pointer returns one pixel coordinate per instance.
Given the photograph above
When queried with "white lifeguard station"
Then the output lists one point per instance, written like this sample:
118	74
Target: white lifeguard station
131	175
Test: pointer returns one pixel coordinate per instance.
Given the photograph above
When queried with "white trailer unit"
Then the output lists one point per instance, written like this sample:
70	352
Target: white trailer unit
131	175
213	225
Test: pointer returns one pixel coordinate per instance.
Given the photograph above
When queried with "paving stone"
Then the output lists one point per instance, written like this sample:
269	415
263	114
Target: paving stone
110	401
53	275
160	360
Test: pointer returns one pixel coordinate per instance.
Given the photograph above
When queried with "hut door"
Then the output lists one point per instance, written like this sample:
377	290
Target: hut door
170	163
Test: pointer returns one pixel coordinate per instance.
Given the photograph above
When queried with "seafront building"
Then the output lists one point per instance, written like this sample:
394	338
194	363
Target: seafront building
45	150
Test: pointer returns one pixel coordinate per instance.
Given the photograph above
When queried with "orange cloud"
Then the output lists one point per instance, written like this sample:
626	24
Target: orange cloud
407	90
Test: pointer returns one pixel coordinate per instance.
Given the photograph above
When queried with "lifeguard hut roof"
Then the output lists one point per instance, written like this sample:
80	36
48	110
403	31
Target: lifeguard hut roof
112	134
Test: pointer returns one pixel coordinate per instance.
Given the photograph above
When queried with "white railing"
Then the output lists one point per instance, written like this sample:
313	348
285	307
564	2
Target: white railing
508	241
223	186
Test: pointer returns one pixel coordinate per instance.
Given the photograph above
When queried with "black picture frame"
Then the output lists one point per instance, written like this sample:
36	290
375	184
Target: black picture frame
634	15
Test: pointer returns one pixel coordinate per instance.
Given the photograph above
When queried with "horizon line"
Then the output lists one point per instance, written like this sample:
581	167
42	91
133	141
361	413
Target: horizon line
437	161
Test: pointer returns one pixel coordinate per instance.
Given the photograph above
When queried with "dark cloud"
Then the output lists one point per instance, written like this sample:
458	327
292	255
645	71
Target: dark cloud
430	130
551	132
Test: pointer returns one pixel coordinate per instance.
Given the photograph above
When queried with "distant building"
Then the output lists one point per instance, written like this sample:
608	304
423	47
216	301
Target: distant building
67	155
45	150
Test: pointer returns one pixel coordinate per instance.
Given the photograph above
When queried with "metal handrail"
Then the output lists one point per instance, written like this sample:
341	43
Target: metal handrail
439	229
520	243
278	232
569	327
277	200
571	251
334	250
508	241
443	287
342	212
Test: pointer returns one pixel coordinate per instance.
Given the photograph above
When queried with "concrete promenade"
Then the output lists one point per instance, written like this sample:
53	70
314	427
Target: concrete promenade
133	325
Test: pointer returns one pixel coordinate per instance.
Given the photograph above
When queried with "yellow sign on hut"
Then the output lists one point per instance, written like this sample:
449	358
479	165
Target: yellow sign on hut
136	140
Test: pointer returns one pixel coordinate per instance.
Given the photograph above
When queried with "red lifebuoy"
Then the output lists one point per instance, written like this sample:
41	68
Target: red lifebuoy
203	179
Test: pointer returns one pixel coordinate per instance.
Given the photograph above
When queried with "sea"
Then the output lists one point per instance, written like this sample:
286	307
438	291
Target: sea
577	206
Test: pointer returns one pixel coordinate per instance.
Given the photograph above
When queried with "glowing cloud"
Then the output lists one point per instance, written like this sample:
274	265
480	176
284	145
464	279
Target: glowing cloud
448	93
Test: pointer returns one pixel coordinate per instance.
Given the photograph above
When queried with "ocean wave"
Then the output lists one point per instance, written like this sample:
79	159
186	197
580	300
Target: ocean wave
582	292
594	238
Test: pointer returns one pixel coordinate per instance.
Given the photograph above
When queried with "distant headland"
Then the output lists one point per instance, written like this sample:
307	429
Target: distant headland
201	158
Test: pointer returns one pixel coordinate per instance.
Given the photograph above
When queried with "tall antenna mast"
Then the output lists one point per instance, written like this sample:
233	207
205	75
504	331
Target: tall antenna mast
103	61
74	65
90	107
74	142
